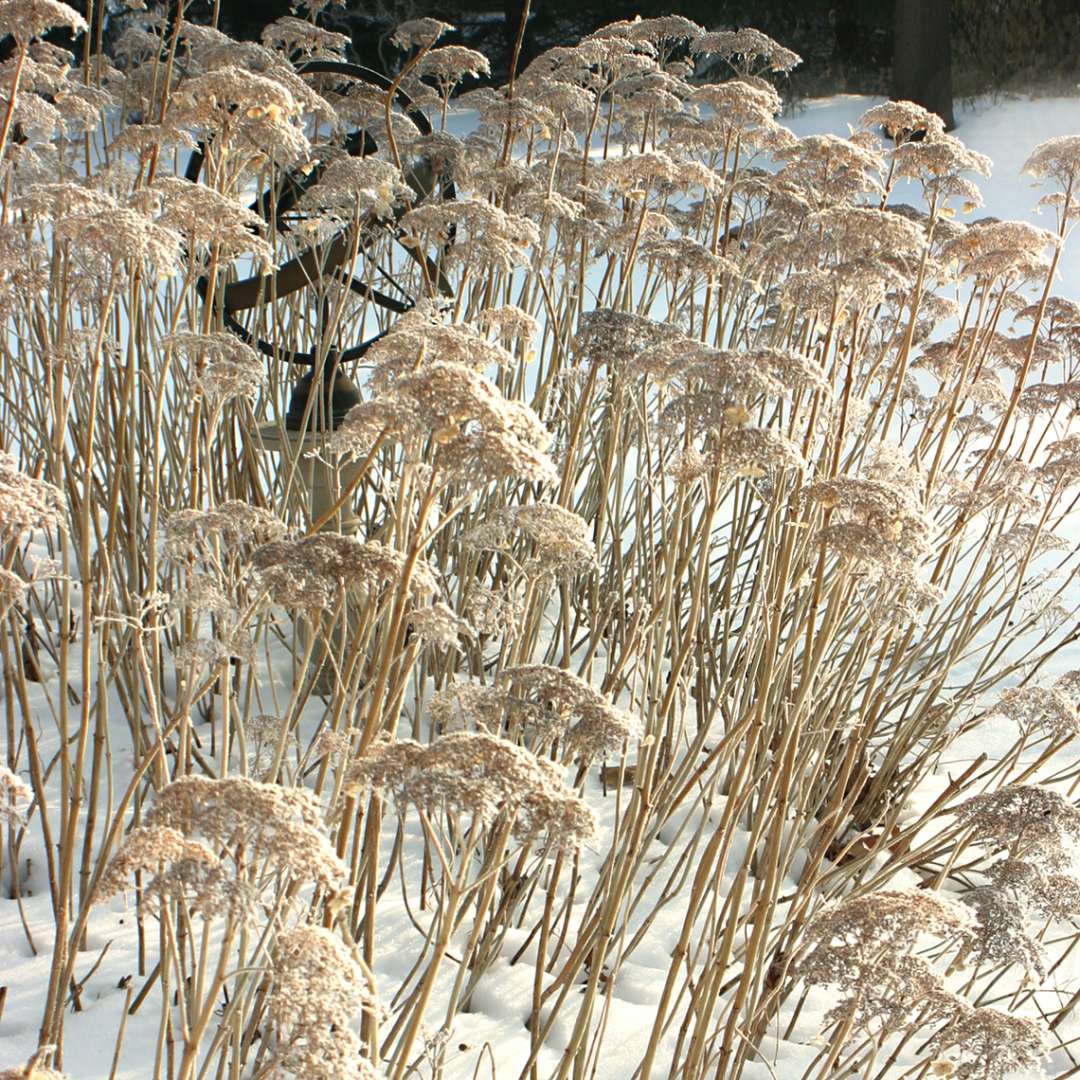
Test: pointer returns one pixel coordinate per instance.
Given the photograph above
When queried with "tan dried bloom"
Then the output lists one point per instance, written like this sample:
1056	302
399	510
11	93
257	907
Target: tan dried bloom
449	64
149	849
1057	159
877	521
205	218
121	235
13	791
320	986
562	546
1062	464
995	249
748	51
568	710
28	19
1026	820
987	1044
465	706
1002	936
25	503
12	588
303	38
484	777
492	612
1043	709
441	626
483	235
419	33
189	533
1049	894
345	561
903	121
226	367
350	185
862	946
254	823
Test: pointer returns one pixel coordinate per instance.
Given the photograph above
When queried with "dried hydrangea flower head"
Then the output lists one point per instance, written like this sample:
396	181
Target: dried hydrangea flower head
13	793
1048	710
748	51
419	33
25	20
1062	464
254	823
828	170
338	561
482	777
561	544
234	524
1015	250
440	626
1028	821
468	706
349	186
876	522
567	710
25	503
903	121
1047	893
862	946
987	1044
479	436
484	236
1057	159
1003	935
225	367
320	987
299	37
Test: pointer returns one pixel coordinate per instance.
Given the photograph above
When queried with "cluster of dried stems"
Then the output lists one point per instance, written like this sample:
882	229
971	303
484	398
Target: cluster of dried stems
695	470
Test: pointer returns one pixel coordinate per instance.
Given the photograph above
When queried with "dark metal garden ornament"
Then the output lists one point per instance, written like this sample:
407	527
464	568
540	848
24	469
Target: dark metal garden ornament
323	262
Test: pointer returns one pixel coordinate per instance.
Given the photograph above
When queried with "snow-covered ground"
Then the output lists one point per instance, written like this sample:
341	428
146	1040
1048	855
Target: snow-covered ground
491	1041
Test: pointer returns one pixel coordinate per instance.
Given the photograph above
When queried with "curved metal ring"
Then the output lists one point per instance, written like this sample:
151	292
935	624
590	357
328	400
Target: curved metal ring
321	259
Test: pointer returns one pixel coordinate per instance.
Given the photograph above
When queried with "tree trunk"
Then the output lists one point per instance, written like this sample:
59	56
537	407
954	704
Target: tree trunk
922	63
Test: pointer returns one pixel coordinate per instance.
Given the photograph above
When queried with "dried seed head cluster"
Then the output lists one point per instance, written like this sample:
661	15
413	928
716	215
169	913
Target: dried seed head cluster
13	793
308	572
1028	821
987	1044
863	946
234	524
320	987
563	708
1048	710
558	543
483	777
259	829
25	502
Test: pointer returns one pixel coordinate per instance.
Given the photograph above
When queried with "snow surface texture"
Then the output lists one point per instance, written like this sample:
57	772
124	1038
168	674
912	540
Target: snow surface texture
491	1041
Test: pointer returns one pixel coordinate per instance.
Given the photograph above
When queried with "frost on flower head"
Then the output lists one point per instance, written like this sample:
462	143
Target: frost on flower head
307	572
987	1044
253	824
1028	821
319	987
863	946
13	793
25	502
567	709
480	776
903	121
748	51
28	19
419	33
561	544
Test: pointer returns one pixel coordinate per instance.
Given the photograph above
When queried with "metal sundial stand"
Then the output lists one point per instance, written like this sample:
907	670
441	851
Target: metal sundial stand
307	422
